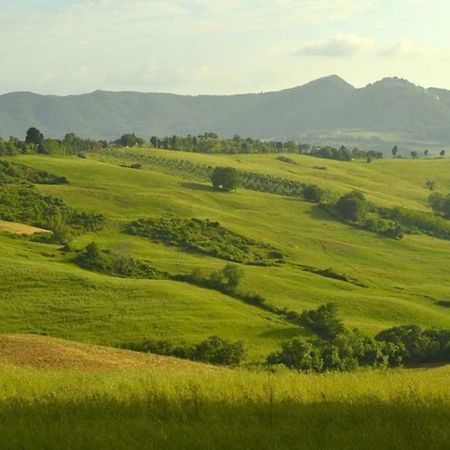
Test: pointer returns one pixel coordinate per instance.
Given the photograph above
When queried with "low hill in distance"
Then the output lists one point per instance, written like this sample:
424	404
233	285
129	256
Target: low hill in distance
328	110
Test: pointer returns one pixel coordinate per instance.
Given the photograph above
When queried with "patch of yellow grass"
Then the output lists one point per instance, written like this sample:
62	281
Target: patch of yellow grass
20	228
49	353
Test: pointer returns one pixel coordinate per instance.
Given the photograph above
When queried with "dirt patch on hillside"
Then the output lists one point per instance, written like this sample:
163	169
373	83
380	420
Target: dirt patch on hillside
20	228
50	353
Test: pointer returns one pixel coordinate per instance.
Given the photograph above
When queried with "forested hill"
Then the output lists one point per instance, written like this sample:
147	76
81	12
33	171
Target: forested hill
328	108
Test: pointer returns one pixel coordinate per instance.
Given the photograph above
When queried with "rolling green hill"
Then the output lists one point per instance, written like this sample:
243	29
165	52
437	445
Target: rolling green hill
54	390
400	282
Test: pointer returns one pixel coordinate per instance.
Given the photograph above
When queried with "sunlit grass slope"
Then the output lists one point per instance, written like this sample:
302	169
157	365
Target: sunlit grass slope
44	292
165	404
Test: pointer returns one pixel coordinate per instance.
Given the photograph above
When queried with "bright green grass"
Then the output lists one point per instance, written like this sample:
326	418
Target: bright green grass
386	182
224	409
59	299
44	292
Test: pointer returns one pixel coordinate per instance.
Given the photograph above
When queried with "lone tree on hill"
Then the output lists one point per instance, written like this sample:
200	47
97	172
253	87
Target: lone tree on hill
225	178
34	136
130	140
395	151
442	153
352	206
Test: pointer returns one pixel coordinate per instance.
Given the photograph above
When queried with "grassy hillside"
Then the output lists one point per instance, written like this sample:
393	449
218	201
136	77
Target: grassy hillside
139	401
47	293
53	391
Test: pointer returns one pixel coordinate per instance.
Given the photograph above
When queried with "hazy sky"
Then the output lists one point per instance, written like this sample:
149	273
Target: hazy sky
218	46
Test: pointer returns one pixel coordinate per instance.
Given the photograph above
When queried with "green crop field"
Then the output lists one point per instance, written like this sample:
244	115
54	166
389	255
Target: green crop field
387	283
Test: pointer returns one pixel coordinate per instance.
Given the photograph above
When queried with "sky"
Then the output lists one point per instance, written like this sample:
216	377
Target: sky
218	46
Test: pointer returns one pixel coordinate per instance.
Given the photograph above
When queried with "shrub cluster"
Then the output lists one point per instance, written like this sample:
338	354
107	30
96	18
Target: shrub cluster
26	205
208	237
286	160
343	349
18	173
213	350
227	281
117	263
225	178
440	204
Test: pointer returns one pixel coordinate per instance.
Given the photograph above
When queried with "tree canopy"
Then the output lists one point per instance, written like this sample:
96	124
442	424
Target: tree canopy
225	178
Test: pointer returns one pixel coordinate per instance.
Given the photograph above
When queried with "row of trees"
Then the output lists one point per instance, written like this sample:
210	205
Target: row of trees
336	349
354	208
415	154
214	350
35	142
211	143
341	349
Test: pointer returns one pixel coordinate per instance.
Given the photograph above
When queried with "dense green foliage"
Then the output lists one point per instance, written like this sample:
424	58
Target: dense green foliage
208	237
27	205
129	140
414	345
352	206
18	173
70	145
440	204
213	350
225	178
323	321
414	222
116	262
342	349
34	136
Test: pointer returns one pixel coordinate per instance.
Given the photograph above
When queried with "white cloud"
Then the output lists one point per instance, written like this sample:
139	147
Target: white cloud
338	46
91	44
191	46
407	49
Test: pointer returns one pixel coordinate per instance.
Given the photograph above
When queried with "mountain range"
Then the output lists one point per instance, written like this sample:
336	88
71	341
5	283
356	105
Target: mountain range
330	109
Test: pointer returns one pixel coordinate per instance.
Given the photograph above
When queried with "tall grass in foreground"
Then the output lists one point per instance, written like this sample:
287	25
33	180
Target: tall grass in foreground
224	409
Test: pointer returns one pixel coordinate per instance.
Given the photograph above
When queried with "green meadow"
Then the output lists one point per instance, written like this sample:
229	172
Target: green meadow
200	409
405	279
398	282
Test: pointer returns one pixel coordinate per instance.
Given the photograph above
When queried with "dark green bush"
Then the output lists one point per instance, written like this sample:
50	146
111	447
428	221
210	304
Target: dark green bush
352	206
117	263
205	236
324	321
213	350
225	178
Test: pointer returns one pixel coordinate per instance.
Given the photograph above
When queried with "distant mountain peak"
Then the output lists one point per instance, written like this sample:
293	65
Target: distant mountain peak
330	80
394	83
